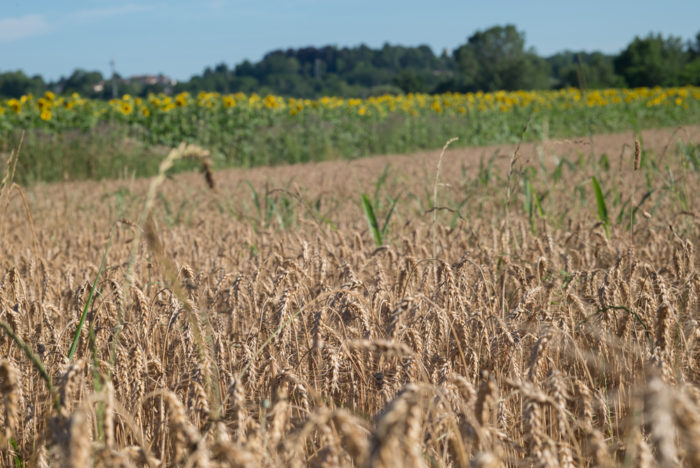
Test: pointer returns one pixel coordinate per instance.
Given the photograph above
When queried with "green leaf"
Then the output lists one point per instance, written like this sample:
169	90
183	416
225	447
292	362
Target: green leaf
381	181
256	199
621	214
372	220
600	201
388	216
527	198
76	337
16	457
457	215
538	202
692	152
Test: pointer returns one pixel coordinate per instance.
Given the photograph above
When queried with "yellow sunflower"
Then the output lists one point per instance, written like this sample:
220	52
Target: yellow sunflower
126	108
181	100
15	105
229	101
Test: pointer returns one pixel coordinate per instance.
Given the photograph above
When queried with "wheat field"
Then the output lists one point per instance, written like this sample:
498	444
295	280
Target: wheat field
251	318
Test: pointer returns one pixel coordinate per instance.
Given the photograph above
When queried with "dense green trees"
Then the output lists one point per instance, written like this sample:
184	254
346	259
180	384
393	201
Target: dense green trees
80	81
16	83
311	71
691	71
583	70
658	61
496	58
652	61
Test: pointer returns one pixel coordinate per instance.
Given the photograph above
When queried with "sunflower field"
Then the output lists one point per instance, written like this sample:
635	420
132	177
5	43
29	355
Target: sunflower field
92	138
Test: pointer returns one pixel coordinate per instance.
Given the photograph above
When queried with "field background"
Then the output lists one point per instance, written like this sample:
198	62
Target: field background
519	317
74	138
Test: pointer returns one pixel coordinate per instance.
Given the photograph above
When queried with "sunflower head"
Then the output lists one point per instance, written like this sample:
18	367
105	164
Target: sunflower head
126	108
229	101
15	105
181	100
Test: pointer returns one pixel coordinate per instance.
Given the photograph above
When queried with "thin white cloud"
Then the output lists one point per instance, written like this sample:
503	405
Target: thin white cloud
107	12
12	29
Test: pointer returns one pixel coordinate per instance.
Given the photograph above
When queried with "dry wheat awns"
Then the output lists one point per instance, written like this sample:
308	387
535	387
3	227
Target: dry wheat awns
272	332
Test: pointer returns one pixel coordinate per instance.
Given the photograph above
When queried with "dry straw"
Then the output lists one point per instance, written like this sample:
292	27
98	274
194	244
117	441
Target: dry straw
222	342
10	392
436	184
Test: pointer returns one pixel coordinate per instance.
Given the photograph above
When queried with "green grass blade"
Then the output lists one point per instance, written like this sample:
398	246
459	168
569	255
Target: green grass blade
16	457
692	152
371	220
256	199
381	181
388	216
76	338
527	199
270	208
623	211
538	202
457	214
38	365
600	201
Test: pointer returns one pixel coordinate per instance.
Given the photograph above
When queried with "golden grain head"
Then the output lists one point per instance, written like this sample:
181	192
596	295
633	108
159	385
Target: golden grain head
637	154
264	327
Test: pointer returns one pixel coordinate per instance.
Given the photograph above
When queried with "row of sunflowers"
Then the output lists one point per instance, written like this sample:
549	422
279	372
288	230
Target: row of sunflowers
70	133
53	112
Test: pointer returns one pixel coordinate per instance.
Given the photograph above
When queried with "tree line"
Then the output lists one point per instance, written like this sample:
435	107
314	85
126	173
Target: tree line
493	59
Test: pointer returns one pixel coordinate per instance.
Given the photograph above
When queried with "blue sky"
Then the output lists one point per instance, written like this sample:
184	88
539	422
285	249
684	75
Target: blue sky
179	38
